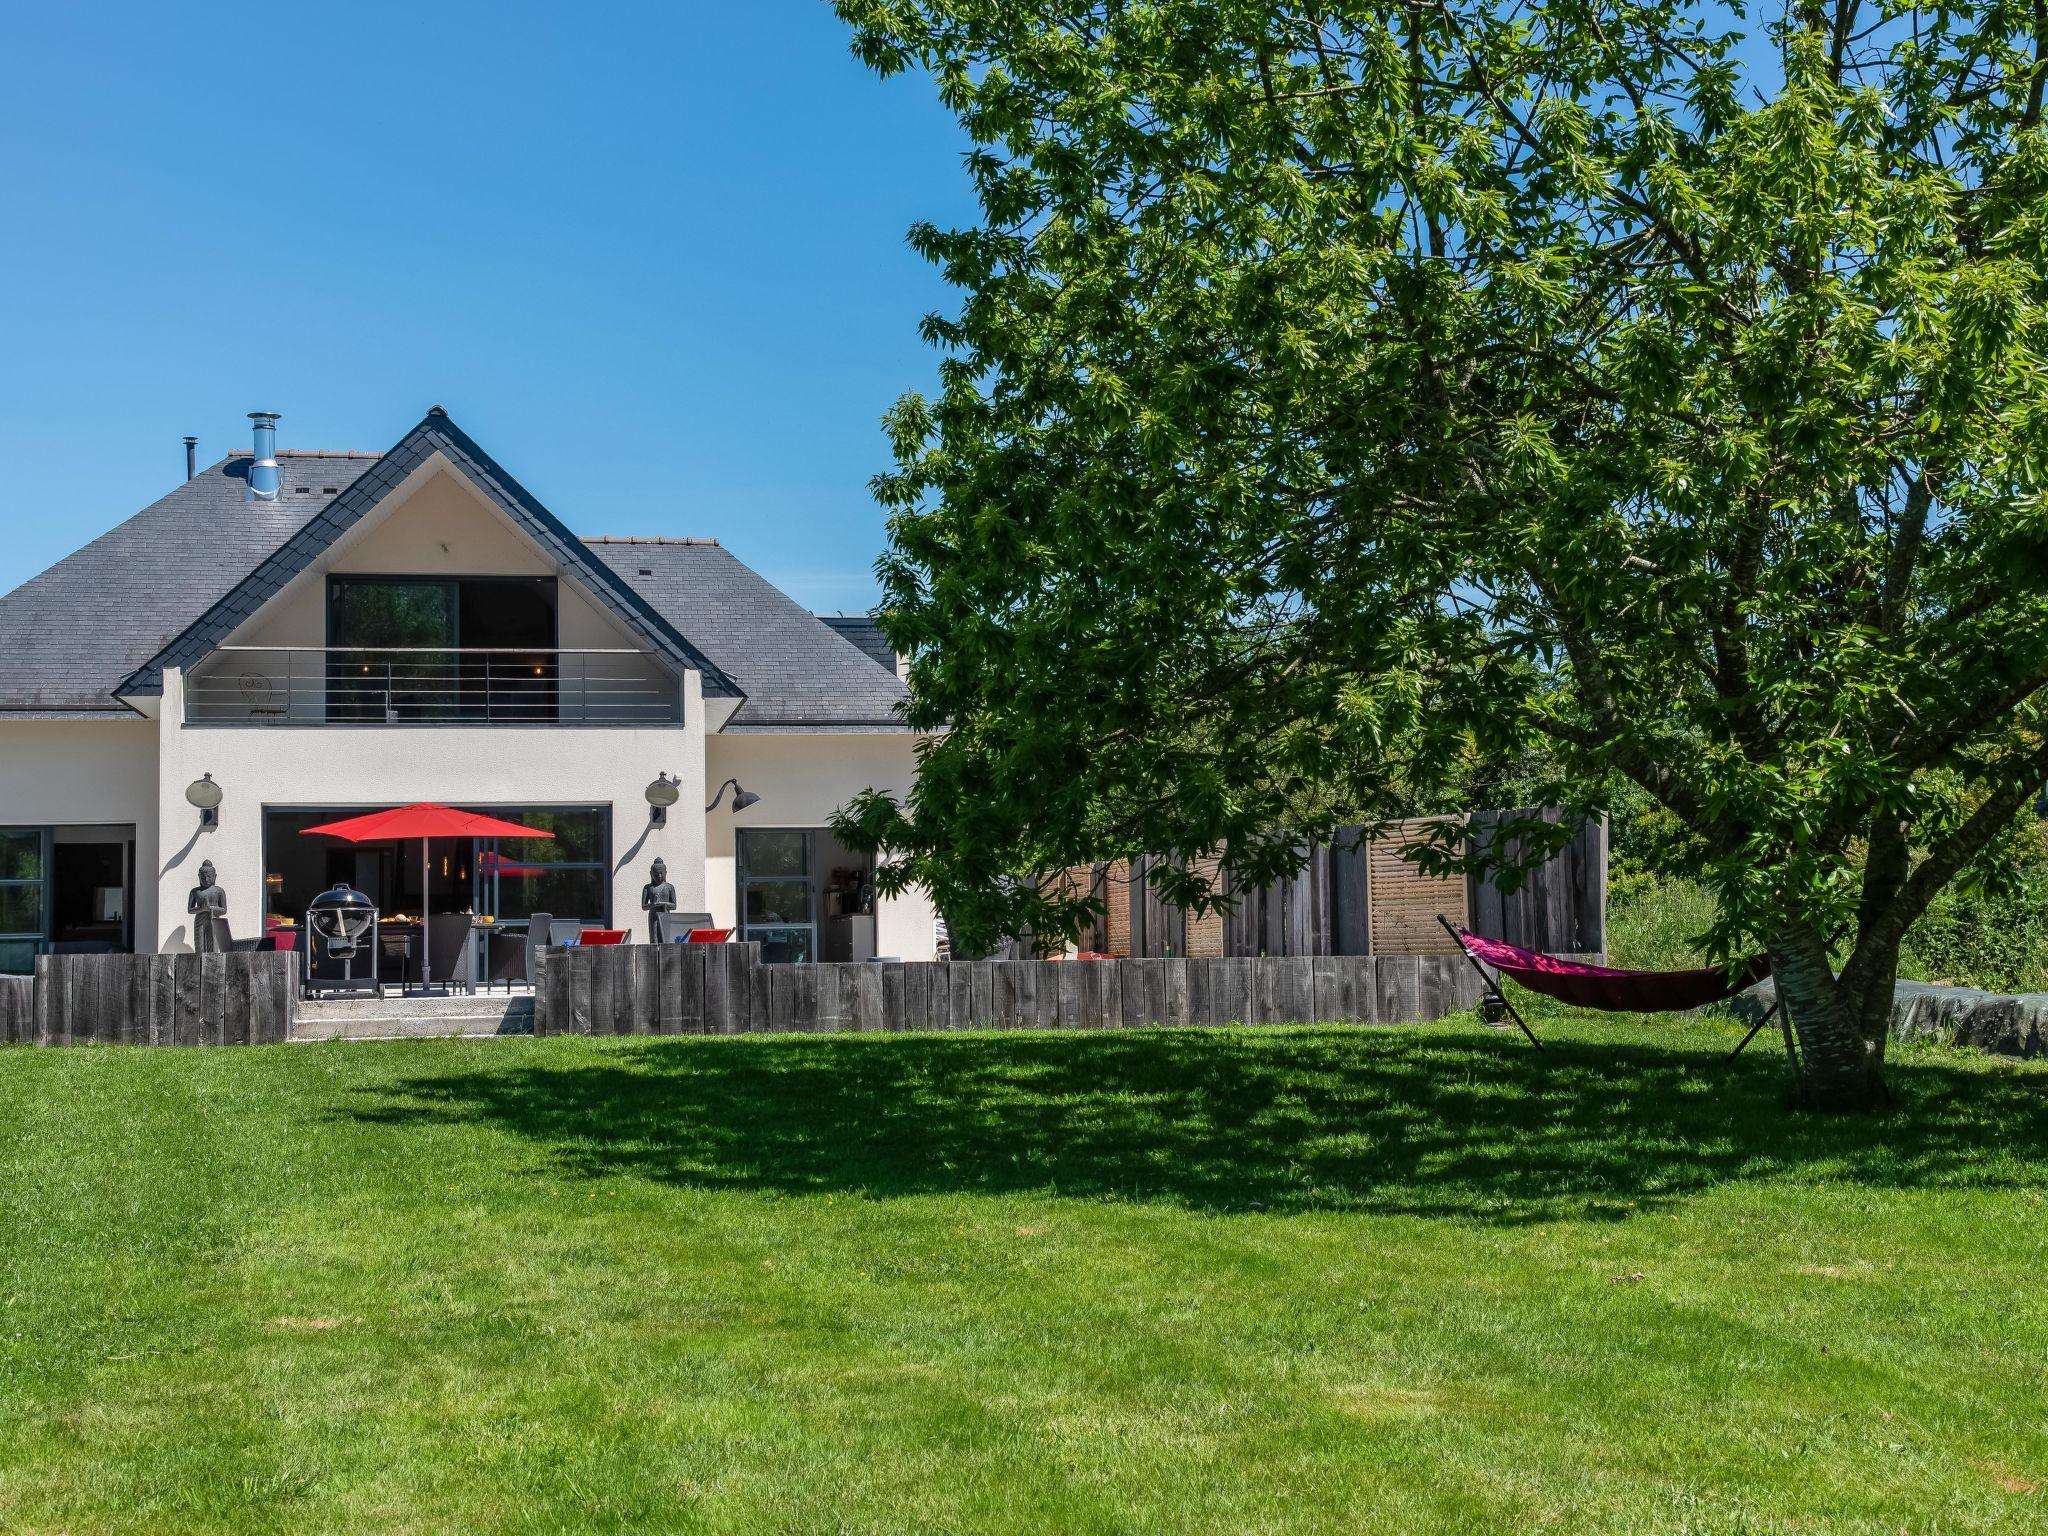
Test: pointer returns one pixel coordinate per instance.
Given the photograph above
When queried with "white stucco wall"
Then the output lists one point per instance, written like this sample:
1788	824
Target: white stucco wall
802	780
372	767
87	772
434	525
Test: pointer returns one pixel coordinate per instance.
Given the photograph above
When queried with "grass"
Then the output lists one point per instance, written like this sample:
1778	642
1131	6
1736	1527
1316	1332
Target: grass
1340	1280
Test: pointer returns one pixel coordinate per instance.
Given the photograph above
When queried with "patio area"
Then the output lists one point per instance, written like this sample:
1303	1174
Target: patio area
442	900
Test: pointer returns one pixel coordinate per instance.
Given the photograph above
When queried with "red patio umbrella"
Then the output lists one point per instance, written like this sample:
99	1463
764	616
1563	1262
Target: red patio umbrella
423	821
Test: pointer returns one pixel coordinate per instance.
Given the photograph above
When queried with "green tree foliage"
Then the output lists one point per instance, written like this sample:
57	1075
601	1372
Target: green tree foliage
1990	928
1343	394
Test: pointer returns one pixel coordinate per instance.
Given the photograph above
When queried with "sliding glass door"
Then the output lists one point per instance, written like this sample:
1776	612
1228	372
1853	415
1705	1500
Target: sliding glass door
778	901
24	896
65	890
567	876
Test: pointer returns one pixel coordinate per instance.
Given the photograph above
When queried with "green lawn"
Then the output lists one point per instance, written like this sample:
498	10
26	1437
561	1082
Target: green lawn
1346	1280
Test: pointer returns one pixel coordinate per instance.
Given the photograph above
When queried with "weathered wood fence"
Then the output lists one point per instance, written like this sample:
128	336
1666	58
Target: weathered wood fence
1561	905
221	999
686	989
682	989
17	1008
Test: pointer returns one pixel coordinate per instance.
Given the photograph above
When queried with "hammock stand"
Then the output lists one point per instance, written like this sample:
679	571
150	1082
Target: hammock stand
1609	990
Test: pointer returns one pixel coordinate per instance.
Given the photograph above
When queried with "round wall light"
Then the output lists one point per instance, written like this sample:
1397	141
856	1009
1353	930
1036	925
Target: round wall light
204	795
664	792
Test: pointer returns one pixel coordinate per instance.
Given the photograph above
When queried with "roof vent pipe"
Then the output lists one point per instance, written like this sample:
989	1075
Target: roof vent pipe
264	479
191	457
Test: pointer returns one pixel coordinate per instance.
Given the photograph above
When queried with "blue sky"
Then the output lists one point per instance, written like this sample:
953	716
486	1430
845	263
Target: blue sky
651	256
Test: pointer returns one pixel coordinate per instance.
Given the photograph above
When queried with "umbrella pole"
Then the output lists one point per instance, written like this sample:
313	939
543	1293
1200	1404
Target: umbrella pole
426	966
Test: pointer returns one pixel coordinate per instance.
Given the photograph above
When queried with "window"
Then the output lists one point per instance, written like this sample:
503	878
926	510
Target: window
381	611
568	876
24	895
429	648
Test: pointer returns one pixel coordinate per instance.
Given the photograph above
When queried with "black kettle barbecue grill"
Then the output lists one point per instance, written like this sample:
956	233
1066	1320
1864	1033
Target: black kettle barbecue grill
341	936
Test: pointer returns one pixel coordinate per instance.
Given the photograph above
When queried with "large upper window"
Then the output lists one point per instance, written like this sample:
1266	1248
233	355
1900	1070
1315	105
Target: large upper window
434	648
477	612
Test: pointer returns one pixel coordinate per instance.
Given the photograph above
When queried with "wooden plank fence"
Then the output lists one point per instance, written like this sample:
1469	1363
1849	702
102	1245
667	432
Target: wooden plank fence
17	1008
219	999
1157	926
725	989
1561	904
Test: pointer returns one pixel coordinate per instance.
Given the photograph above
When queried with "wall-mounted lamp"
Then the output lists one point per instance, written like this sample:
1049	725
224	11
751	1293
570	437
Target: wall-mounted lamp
661	794
741	799
205	794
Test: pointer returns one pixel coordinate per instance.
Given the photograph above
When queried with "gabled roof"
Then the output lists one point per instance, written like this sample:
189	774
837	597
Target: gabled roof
436	433
797	673
70	636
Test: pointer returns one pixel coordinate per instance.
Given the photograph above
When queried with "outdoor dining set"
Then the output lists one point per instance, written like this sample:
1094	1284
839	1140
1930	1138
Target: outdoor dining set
349	945
449	951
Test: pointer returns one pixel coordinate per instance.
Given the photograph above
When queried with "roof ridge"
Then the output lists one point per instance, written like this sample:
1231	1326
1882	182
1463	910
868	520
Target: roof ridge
643	538
303	453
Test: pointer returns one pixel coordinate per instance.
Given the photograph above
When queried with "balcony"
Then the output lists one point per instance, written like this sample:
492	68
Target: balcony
385	686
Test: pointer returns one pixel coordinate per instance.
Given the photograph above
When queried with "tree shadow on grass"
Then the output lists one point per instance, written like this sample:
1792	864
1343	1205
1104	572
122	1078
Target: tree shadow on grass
1443	1122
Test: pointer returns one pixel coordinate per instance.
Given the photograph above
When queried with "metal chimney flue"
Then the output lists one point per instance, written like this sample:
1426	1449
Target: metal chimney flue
264	479
191	457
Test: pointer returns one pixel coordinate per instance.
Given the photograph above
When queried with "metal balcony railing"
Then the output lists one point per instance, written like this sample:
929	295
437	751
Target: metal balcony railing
400	685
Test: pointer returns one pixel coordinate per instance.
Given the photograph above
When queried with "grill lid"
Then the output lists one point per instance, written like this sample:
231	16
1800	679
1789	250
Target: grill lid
339	920
341	898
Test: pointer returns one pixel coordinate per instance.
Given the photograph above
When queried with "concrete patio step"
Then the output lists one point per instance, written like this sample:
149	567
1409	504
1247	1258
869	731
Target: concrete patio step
398	1018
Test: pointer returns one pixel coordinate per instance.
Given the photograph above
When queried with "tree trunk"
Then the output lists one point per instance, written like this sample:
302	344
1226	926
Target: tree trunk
1841	1038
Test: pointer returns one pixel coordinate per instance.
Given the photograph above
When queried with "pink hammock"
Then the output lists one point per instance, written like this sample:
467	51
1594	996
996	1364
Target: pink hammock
1602	987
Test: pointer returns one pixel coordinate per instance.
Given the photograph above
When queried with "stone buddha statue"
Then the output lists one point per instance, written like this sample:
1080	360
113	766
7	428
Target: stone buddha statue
208	906
656	897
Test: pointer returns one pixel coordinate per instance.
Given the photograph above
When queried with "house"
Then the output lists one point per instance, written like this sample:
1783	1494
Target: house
302	634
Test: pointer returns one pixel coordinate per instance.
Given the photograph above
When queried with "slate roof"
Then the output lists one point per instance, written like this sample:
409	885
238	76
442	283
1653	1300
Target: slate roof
862	630
68	636
95	621
796	672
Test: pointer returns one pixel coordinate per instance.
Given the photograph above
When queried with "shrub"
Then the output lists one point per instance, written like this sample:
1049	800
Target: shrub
1654	923
1989	929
